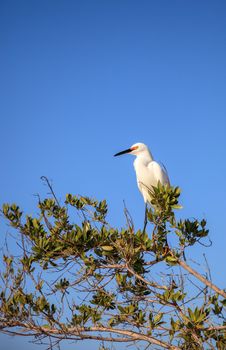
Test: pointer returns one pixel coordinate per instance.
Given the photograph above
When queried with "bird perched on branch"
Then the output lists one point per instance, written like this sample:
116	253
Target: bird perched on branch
148	171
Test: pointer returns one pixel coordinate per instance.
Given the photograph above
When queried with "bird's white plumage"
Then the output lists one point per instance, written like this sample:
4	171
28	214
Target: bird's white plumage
148	171
149	175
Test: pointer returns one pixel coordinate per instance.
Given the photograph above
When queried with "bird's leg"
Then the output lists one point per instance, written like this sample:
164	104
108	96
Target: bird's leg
145	218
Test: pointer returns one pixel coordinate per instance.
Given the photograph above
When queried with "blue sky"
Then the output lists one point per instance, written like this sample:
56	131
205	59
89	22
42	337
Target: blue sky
82	80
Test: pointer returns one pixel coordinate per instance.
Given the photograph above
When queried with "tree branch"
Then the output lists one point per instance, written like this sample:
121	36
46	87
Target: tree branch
78	332
202	279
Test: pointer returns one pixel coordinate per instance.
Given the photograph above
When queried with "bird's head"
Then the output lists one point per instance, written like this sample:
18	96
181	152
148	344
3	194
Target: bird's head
136	149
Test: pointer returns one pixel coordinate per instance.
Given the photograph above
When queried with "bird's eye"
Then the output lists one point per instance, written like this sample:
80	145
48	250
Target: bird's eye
134	148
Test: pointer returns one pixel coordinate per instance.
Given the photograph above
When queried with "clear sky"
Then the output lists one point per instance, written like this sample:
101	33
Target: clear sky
84	79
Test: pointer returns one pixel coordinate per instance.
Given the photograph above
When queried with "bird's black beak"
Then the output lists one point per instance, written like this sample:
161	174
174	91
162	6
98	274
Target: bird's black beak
123	152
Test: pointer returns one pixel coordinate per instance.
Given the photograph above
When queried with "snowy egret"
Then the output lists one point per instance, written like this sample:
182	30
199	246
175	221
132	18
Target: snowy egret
148	171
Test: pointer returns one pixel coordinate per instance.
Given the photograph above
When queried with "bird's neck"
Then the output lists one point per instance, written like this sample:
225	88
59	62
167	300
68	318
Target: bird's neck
144	158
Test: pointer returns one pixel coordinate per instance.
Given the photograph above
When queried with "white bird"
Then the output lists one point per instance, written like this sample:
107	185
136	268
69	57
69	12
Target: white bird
148	171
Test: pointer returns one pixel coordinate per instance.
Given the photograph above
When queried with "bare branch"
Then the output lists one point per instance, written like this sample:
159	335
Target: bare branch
202	279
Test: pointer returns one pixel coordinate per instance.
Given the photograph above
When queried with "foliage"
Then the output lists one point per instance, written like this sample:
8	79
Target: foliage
76	277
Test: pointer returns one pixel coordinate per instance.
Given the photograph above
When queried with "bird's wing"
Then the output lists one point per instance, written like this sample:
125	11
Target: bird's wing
159	173
165	173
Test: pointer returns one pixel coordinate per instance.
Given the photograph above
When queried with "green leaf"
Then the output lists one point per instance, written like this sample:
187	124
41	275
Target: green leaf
171	260
158	318
177	206
108	248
